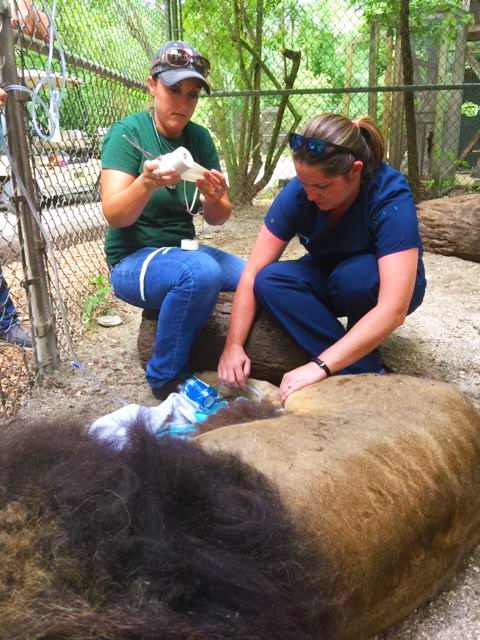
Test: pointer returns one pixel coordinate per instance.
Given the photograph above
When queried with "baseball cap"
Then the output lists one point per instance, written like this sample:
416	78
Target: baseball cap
176	60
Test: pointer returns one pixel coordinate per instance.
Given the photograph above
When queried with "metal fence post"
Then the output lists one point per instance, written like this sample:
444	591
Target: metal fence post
31	242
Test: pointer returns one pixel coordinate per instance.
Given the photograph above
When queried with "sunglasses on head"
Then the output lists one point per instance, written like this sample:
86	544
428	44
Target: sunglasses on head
314	146
176	57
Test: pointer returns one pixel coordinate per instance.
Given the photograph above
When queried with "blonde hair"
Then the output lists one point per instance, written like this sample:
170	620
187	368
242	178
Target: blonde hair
361	136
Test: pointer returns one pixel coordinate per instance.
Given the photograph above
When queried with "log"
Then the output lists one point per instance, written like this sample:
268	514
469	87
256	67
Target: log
451	226
271	350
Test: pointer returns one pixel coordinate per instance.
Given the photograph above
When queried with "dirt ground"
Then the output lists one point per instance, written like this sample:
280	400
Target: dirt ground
440	340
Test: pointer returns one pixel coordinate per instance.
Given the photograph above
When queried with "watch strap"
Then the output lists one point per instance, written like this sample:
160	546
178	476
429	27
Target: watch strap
323	365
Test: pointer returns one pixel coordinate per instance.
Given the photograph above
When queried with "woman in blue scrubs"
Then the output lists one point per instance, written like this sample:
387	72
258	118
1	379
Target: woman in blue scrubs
356	218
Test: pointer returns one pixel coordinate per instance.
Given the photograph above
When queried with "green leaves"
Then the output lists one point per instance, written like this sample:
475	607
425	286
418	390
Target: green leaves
98	299
470	109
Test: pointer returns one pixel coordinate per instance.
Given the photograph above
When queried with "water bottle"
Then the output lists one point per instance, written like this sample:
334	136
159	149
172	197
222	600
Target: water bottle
200	392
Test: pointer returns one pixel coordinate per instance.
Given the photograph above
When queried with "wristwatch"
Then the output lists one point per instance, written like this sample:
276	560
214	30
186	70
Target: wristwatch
323	365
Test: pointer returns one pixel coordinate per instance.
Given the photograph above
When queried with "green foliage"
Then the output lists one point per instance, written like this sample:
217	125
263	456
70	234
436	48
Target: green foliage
470	109
123	40
246	42
437	18
98	299
254	46
122	37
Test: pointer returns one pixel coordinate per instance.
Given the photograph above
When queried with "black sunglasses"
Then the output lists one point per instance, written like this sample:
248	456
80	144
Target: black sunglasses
314	146
176	57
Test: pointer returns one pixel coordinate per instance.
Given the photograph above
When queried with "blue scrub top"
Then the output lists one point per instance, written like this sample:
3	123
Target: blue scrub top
382	220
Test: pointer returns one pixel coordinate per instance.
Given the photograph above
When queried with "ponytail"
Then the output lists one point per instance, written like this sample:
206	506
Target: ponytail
373	138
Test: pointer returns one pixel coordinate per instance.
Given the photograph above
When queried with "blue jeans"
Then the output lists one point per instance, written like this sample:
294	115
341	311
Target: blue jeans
8	314
306	300
184	286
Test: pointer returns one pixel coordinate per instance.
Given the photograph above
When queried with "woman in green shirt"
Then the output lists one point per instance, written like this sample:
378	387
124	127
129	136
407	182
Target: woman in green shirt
149	210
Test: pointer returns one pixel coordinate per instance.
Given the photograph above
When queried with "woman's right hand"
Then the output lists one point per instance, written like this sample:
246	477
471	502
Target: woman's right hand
154	177
234	366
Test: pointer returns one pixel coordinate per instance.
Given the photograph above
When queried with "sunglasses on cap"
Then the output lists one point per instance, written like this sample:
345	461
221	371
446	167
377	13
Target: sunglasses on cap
176	57
314	146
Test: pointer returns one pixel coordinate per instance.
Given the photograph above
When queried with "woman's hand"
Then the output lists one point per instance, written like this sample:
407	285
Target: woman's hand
300	377
154	177
234	366
212	187
214	197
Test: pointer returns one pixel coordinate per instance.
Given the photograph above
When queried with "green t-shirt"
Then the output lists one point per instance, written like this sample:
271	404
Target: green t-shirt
165	219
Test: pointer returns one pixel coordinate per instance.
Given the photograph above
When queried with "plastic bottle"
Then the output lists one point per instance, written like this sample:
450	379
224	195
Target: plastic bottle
200	392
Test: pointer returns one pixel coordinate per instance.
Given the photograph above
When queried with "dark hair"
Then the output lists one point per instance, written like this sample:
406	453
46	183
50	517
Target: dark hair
158	540
362	136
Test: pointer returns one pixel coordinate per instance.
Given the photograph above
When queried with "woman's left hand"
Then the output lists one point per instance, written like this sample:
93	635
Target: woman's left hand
212	186
300	377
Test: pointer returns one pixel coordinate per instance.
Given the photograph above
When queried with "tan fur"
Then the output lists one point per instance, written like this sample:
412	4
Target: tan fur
382	474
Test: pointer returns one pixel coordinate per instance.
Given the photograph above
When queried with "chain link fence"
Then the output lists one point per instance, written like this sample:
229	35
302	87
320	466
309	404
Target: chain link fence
77	66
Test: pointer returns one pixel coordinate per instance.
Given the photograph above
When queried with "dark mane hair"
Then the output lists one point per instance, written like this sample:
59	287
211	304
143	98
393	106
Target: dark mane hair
239	411
159	541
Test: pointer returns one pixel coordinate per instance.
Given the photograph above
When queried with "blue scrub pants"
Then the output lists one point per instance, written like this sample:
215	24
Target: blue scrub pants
184	286
306	300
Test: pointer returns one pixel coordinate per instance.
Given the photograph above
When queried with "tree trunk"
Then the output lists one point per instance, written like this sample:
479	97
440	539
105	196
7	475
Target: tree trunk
347	80
448	114
451	226
396	136
372	67
387	95
410	122
271	351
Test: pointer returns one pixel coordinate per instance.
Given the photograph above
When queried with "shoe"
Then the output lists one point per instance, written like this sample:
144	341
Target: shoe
174	386
18	336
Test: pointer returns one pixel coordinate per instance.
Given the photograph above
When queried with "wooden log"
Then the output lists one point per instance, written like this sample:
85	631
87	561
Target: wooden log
272	351
451	226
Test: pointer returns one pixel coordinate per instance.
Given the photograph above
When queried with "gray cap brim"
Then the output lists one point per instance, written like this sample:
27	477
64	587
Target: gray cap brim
171	76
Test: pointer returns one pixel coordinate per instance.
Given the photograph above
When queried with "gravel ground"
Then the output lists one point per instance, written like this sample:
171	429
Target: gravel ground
440	340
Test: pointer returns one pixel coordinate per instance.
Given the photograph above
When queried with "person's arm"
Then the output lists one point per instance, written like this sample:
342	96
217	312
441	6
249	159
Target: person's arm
124	196
3	97
234	364
397	280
